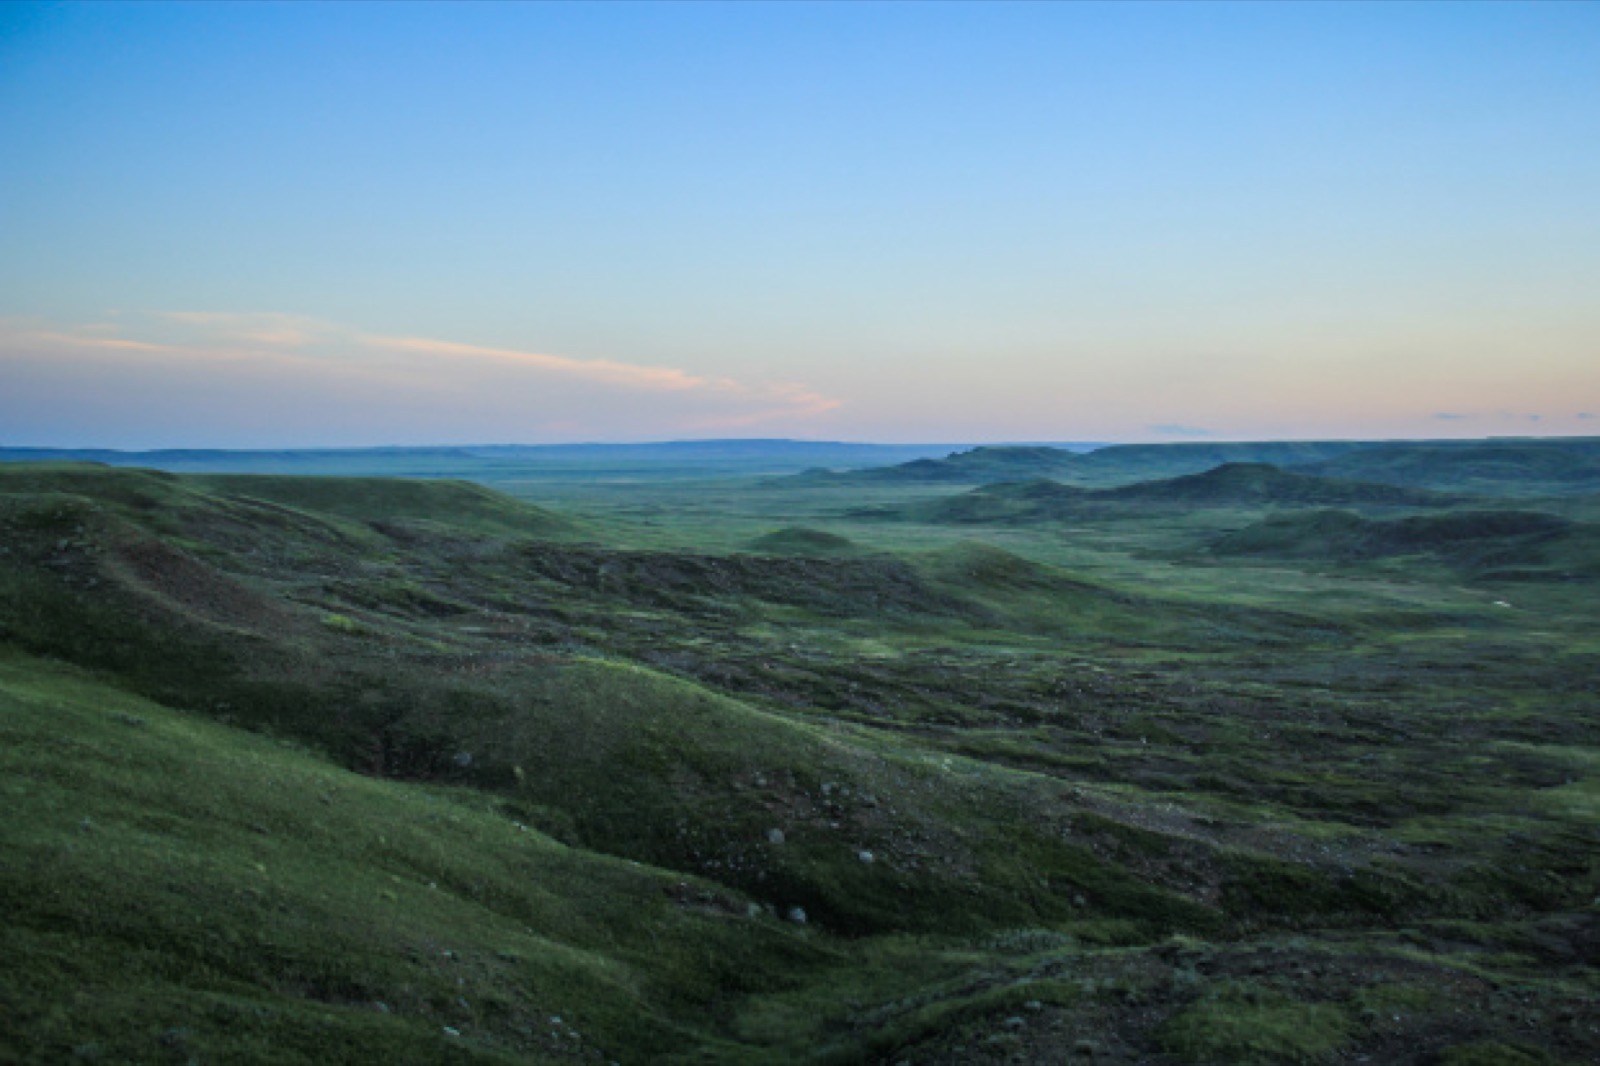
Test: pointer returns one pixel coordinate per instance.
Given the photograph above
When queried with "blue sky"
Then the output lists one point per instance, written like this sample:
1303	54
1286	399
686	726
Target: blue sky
270	225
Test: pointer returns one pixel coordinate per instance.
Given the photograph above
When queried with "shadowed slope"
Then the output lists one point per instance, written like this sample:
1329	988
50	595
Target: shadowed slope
1488	544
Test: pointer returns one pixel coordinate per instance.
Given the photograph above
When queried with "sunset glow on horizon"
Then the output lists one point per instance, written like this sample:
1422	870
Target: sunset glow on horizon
267	225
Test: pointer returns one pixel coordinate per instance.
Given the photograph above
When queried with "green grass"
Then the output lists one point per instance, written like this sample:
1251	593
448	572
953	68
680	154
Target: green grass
1242	1024
1005	765
166	874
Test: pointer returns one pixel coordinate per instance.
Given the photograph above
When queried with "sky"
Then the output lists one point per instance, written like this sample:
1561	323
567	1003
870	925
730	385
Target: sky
278	225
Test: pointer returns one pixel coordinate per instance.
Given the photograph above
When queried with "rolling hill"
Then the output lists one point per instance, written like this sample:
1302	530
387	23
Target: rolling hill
1491	545
1241	485
345	771
1510	467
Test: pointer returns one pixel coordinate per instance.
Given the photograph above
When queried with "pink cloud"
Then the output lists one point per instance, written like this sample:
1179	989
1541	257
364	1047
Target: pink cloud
606	371
239	355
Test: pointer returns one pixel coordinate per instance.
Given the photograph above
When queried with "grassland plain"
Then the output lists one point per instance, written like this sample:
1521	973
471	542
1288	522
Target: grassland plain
360	770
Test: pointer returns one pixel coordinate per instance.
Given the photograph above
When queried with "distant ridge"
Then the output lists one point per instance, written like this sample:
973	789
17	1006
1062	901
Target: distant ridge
980	465
1256	482
1505	465
1521	467
1228	485
498	462
1496	464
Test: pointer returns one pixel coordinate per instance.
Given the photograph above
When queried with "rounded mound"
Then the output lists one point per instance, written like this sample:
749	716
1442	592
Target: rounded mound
800	540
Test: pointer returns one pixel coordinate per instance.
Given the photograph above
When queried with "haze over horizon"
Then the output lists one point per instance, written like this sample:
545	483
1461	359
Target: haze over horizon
270	226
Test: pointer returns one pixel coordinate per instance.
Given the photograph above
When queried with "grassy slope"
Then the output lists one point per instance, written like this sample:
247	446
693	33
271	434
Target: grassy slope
966	716
1492	545
177	887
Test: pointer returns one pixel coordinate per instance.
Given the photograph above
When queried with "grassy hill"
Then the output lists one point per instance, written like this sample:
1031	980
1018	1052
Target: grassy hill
1261	483
326	771
1501	544
1232	485
798	540
177	890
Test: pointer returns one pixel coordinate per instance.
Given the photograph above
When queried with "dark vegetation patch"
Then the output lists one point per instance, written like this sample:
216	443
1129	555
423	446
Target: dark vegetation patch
1493	544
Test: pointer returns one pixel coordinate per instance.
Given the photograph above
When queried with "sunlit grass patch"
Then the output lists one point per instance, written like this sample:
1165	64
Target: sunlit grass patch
1244	1024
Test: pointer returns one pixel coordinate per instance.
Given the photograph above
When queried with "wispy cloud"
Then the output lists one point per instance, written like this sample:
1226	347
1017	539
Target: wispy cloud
1586	415
259	327
218	353
16	335
1452	416
605	371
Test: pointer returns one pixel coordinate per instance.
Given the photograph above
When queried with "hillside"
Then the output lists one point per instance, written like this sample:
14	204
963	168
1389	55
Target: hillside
1503	545
355	771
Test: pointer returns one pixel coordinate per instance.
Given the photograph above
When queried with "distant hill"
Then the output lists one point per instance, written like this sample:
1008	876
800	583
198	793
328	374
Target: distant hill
1141	462
1499	544
1506	466
1262	483
798	540
1519	465
1229	485
1512	467
978	466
